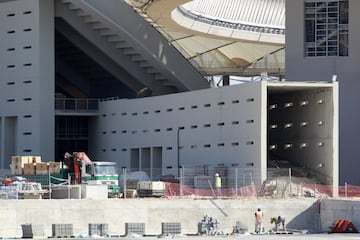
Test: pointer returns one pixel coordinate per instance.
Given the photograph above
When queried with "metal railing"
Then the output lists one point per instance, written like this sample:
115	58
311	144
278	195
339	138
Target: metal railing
76	104
195	182
229	24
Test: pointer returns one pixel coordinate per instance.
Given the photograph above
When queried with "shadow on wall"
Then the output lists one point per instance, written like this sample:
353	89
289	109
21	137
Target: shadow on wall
308	220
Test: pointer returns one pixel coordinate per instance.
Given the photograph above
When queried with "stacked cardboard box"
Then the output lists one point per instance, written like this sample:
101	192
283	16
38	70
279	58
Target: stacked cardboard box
54	167
41	168
29	169
30	165
18	162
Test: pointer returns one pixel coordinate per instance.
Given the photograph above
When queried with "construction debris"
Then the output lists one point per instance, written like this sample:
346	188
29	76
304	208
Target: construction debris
209	226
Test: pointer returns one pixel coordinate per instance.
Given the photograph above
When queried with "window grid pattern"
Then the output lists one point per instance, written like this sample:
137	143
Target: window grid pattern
219	104
326	28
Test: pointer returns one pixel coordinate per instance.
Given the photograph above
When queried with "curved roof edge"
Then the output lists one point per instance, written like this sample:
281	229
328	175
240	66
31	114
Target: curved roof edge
226	28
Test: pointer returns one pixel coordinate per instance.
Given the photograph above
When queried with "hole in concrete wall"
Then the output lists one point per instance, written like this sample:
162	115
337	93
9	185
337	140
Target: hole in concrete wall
303	124
273	106
287	145
304	145
288	104
304	103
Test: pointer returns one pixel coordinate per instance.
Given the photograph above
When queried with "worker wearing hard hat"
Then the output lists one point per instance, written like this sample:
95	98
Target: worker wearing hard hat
218	184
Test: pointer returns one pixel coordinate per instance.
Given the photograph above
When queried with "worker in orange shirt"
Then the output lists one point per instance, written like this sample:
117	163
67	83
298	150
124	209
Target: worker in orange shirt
259	216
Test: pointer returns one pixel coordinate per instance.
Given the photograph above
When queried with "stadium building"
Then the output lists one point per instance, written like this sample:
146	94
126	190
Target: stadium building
118	81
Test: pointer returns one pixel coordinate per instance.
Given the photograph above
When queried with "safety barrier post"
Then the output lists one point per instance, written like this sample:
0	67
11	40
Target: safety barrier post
346	189
181	181
68	186
236	182
124	183
49	177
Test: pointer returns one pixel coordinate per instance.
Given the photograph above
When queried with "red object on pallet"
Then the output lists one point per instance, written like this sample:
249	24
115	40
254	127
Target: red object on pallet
343	226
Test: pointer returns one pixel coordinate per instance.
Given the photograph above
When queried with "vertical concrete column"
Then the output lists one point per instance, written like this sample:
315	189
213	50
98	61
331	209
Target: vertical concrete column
226	80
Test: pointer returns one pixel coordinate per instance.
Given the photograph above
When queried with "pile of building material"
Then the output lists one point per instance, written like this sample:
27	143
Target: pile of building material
98	229
240	228
33	231
32	165
209	226
170	228
62	230
151	189
132	229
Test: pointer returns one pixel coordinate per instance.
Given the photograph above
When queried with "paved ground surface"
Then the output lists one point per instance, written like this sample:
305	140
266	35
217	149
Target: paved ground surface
344	236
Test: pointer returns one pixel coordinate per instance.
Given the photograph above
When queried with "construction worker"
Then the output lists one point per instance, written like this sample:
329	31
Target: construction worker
218	184
278	220
259	215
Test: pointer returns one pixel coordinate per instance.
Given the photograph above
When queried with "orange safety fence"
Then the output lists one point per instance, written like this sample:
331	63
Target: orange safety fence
315	190
174	190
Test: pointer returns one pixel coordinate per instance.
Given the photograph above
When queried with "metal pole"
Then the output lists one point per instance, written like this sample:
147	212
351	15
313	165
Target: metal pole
124	181
236	182
178	150
346	189
181	181
290	181
49	185
68	186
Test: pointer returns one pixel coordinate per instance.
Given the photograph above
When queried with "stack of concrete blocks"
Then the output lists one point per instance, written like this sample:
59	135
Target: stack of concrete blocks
98	229
33	231
240	228
135	228
208	226
170	228
62	230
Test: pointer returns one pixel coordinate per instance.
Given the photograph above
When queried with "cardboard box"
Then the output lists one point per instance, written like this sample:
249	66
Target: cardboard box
17	163
41	168
29	169
54	167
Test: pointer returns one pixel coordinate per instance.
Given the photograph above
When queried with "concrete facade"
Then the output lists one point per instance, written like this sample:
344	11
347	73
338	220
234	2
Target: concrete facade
323	69
233	126
307	214
27	80
221	126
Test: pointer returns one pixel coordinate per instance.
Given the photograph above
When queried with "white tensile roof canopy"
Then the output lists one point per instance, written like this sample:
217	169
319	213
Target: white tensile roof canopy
223	37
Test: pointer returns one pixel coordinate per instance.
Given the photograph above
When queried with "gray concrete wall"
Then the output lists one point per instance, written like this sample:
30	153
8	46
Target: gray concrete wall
220	126
301	214
346	68
316	216
27	79
331	210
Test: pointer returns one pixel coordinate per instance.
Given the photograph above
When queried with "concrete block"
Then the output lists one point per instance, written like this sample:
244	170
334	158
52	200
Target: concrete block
135	228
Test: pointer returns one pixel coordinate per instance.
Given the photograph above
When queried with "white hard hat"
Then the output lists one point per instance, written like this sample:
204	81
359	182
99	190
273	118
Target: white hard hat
216	174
